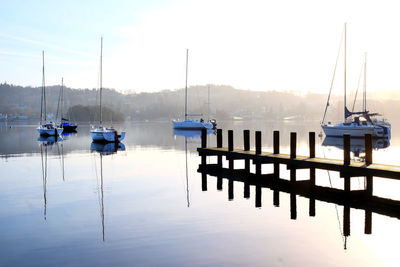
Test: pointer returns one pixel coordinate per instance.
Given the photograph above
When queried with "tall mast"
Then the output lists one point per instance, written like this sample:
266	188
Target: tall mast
43	107
365	84
345	35
208	119
186	98
101	79
62	99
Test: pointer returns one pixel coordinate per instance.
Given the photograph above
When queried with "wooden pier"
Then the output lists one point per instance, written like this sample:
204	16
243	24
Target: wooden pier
360	199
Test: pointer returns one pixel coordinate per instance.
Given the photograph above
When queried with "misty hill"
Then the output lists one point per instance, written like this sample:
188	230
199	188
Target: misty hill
226	103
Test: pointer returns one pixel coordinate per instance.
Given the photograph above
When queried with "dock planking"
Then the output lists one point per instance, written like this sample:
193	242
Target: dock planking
346	167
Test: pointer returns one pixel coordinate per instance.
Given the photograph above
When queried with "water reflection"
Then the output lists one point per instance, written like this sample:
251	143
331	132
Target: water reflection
43	154
106	148
191	133
49	140
356	199
357	145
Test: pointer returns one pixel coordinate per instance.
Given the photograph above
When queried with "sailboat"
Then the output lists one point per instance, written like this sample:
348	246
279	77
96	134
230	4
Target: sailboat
357	124
46	128
191	124
102	133
65	124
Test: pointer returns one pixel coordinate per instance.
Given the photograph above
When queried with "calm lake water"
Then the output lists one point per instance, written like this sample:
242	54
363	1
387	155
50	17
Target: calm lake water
74	203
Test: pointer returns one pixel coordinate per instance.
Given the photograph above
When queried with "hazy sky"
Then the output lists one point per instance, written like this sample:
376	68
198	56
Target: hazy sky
258	45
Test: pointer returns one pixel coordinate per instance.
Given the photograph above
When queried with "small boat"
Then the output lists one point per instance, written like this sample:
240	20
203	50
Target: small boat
188	124
69	127
357	124
102	133
46	128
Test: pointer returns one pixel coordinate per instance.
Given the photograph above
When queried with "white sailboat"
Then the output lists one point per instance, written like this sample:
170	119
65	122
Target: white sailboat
46	128
102	133
357	124
191	124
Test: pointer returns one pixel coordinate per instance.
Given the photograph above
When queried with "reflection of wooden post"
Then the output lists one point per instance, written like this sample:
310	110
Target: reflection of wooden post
246	193
204	182
292	173
203	145
293	206
346	220
258	196
276	198
258	151
368	149
311	137
368	222
347	183
346	149
312	177
230	189
219	183
370	185
312	207
230	147
219	145
293	145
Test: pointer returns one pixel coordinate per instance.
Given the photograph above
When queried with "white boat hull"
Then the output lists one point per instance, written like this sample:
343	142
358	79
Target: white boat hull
106	135
192	124
356	131
49	132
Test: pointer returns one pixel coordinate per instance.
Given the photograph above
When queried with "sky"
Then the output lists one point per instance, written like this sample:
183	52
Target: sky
256	45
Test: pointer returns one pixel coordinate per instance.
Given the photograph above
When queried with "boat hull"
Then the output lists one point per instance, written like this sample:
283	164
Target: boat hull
192	125
49	132
359	131
107	136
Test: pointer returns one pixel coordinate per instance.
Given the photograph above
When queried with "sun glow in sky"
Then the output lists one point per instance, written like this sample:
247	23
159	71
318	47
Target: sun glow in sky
257	45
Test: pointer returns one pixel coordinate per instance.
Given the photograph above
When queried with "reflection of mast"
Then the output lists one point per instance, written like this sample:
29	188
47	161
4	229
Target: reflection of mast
62	159
101	200
187	175
44	176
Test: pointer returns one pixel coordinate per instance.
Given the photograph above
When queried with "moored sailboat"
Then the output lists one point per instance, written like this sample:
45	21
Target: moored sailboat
357	124
192	124
102	133
46	128
68	126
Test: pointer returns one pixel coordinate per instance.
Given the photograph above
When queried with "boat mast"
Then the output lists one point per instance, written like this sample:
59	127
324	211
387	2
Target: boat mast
208	119
101	79
186	98
43	103
365	84
62	99
345	33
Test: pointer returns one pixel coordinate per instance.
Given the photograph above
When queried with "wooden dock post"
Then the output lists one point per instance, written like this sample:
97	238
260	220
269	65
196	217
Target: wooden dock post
293	145
276	151
258	196
276	142
246	142
219	145
346	149
368	149
230	189
311	137
203	145
258	151
230	147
